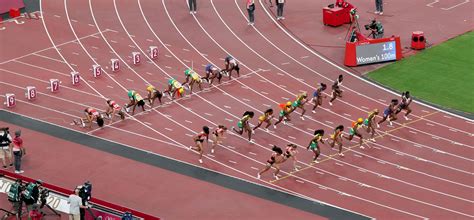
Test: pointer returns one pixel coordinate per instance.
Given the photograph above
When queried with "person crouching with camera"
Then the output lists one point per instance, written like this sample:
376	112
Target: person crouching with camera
31	195
75	205
376	29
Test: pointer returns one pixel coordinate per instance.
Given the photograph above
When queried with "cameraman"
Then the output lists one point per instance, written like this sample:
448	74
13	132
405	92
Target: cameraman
376	29
75	205
31	194
5	146
14	195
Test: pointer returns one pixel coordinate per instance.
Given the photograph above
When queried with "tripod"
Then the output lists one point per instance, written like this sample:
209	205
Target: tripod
50	208
354	24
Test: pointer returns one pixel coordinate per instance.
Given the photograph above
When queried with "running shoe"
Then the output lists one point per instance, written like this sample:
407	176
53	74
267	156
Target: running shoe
200	160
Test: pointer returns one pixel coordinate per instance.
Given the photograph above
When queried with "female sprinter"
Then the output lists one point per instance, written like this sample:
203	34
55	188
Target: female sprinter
354	131
244	125
113	109
299	103
174	88
369	123
314	145
194	77
290	152
389	113
336	92
217	136
318	96
153	94
91	115
284	114
199	139
404	104
274	161
336	138
266	117
211	73
231	64
135	99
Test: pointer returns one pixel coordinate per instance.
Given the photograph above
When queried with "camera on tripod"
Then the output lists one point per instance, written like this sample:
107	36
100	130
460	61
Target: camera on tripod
372	25
44	193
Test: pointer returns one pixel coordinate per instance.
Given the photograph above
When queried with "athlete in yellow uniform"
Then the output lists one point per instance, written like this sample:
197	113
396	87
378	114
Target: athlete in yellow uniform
194	77
135	99
153	94
174	88
284	113
354	131
266	117
369	123
299	103
314	145
243	125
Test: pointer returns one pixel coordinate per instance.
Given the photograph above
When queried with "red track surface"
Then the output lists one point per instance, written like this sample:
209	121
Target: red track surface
420	168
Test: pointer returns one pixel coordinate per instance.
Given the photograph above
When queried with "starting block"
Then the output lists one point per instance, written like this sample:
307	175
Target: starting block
76	79
115	65
30	93
96	71
14	12
153	52
54	85
136	58
10	100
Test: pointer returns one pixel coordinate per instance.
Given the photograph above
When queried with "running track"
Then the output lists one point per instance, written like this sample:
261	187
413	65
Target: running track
417	169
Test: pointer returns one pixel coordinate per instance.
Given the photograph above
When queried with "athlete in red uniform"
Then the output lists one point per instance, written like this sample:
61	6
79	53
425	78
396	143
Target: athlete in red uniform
91	115
199	139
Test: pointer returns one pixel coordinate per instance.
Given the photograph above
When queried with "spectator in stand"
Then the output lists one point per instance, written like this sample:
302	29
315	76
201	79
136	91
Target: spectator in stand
251	10
5	146
280	4
18	151
379	7
75	204
192	6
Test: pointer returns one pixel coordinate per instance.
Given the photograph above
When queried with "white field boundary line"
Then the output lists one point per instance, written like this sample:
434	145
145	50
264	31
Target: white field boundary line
272	186
355	75
432	3
261	58
244	64
52	47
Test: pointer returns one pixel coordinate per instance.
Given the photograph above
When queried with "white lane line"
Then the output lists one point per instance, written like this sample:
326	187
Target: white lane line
187	61
285	98
432	3
91	25
130	80
329	122
432	125
110	87
131	46
190	122
74	53
113	41
418	146
304	57
168	129
252	153
382	100
148	123
362	170
323	187
167	55
265	93
231	147
280	74
285	63
342	178
168	67
435	137
208	114
413	132
187	50
357	155
210	155
231	161
253	168
291	137
94	47
90	81
425	111
57	16
454	6
267	105
447	116
366	108
393	139
319	172
168	45
348	115
299	181
149	40
453	130
149	73
225	106
247	100
230	120
49	58
72	64
339	164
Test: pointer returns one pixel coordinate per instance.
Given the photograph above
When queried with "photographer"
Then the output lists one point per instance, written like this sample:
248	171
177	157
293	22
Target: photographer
75	205
85	194
376	29
31	194
14	195
5	145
